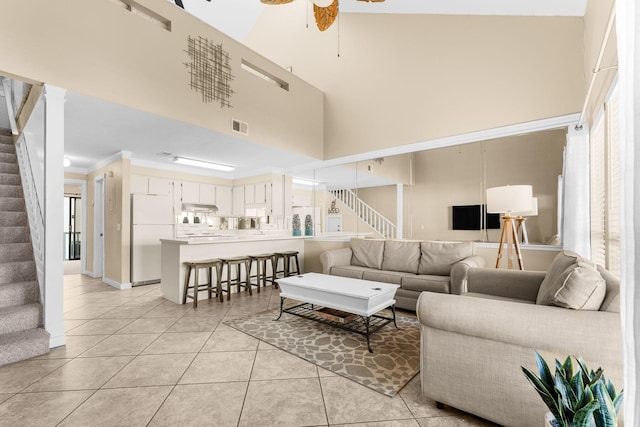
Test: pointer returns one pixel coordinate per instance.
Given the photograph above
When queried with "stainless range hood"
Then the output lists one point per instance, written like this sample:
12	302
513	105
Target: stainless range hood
198	207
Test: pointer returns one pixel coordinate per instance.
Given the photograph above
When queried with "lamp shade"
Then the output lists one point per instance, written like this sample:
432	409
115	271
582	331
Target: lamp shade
509	198
532	212
322	3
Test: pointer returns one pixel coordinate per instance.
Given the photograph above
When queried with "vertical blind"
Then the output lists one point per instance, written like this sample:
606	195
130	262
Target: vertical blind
605	187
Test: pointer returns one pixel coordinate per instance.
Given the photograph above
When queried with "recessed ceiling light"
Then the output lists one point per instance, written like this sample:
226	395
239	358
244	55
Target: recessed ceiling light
67	162
202	164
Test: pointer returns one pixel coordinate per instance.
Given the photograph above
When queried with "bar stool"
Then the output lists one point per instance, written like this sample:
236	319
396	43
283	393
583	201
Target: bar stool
261	269
195	266
286	257
237	262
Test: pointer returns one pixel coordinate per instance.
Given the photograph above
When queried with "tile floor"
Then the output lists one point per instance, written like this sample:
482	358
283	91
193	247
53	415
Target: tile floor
133	358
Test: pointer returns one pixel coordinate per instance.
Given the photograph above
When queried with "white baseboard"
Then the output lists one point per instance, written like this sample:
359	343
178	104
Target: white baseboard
87	273
116	284
56	341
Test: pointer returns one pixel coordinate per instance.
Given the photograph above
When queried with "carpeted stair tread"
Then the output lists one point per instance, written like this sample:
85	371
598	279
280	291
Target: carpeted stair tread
16	234
10	179
23	345
14	219
20	317
7	147
10	190
15	252
12	204
8	157
17	271
19	293
9	168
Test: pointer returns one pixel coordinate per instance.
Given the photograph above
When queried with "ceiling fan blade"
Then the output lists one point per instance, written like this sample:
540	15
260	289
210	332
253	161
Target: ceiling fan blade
276	1
325	16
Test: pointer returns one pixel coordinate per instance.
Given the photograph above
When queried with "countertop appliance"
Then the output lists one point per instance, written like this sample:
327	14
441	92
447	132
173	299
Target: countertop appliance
151	220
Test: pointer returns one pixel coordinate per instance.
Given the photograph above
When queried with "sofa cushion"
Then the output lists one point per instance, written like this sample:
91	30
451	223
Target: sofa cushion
351	271
560	263
438	257
426	282
367	253
611	301
579	287
496	297
401	256
384	276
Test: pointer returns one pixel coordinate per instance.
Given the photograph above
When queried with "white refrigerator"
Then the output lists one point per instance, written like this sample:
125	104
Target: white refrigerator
152	219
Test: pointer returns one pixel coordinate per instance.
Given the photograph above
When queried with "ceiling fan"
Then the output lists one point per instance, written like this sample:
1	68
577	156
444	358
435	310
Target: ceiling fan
325	11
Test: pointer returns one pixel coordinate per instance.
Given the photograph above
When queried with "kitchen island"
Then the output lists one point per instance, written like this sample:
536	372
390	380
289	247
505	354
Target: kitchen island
174	252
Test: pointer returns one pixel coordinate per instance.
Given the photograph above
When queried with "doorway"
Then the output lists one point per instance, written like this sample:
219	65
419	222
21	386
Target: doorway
98	227
74	227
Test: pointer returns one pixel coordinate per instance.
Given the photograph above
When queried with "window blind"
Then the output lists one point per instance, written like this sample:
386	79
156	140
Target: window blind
613	223
598	195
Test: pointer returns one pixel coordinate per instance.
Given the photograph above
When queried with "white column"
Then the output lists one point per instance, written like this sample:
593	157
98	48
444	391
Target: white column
399	209
628	37
53	213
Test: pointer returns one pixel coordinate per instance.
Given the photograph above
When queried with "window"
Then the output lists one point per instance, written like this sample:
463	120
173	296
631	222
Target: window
605	187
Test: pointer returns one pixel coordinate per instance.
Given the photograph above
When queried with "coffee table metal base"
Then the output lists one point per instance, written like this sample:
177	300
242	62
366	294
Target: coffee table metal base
363	325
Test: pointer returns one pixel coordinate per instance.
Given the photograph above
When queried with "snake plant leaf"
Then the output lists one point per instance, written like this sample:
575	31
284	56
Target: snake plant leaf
547	397
617	401
567	367
564	389
577	385
605	415
595	377
583	417
585	371
587	396
610	389
545	372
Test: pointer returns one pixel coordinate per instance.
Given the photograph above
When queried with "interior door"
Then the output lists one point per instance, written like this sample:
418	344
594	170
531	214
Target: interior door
98	241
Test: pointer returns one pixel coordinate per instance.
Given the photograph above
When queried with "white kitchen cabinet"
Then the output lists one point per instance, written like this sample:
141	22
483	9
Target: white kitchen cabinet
141	184
190	192
249	194
260	197
238	200
207	194
159	186
224	200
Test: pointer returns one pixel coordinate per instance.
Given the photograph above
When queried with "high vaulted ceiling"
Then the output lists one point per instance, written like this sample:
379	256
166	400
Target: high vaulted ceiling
236	18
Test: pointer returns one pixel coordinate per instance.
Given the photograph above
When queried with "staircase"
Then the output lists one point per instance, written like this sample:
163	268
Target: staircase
21	333
366	213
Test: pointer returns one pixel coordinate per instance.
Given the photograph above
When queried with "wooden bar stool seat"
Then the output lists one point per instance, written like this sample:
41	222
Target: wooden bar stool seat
287	257
261	269
238	262
195	266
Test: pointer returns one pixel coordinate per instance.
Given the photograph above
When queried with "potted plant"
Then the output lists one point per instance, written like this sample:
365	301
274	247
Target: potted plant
576	397
308	225
295	224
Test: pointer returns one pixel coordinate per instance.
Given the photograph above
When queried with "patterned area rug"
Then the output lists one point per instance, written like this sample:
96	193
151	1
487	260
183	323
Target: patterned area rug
395	361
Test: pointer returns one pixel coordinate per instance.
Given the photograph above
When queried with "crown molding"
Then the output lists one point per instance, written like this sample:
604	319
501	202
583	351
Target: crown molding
113	158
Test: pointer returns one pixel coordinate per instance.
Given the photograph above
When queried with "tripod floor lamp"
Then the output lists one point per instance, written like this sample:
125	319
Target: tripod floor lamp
506	200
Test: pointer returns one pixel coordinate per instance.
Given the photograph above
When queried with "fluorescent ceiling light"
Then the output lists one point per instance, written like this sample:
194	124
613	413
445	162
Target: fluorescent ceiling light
203	164
67	163
303	181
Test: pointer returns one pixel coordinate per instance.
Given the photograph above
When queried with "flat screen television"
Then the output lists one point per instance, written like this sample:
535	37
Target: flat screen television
467	217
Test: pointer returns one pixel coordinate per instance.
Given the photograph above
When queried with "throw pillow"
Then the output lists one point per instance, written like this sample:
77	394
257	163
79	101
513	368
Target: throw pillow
367	253
438	257
401	256
560	263
579	287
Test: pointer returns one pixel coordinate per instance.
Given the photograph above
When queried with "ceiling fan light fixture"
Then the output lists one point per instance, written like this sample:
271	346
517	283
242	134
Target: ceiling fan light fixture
322	3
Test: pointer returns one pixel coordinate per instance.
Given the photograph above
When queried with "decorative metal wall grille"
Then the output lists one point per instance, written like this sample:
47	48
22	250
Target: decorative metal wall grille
209	70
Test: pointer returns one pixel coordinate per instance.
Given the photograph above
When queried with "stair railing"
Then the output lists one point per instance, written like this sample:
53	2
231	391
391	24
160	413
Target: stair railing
33	207
366	213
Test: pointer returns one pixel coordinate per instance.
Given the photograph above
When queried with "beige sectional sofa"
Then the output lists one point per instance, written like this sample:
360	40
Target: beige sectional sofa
472	345
416	266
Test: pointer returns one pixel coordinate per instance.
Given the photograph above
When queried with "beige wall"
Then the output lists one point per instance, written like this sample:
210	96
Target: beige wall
406	78
99	49
595	21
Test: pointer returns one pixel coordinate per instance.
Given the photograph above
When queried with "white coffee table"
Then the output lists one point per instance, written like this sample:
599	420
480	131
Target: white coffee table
364	298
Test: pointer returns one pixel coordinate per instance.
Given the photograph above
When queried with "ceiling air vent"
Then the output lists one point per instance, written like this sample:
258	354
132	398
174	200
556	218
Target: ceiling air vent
240	127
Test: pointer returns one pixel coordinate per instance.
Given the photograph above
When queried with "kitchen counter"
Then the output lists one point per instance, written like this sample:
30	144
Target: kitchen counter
174	252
